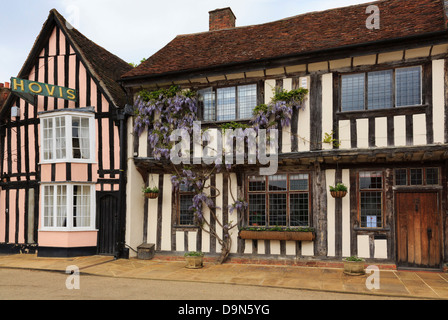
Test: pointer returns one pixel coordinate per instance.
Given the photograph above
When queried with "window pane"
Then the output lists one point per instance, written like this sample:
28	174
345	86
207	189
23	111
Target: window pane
48	206
226	104
207	98
257	209
247	100
186	215
48	139
81	206
80	137
298	208
408	83
298	182
370	180
371	213
353	92
257	184
401	177
277	210
380	90
277	183
60	138
61	202
416	177
432	176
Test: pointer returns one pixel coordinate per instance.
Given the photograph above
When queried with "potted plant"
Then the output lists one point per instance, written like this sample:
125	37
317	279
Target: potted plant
354	266
340	191
151	193
194	260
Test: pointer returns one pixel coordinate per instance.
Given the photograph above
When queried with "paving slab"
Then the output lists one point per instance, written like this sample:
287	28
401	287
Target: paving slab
411	284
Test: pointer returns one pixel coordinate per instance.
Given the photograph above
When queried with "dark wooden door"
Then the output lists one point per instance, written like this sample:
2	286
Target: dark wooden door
418	230
107	215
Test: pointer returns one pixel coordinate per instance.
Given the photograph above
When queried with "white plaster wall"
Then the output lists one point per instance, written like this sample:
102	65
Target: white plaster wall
331	219
327	108
438	95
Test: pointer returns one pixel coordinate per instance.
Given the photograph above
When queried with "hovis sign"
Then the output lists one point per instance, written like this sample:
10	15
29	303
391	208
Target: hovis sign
25	88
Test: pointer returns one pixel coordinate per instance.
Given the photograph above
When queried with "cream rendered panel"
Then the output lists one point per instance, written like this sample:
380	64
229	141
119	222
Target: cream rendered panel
290	248
153	205
143	144
331	219
419	129
286	132
438	96
248	247
261	247
327	108
400	130
205	234
166	213
233	218
363	133
345	134
380	249
381	132
307	248
134	200
346	216
219	204
363	246
275	247
180	241
304	128
269	88
192	244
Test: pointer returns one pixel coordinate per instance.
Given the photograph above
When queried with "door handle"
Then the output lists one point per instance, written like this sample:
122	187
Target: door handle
429	233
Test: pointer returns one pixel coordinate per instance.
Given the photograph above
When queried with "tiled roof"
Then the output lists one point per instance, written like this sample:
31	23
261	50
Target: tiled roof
311	32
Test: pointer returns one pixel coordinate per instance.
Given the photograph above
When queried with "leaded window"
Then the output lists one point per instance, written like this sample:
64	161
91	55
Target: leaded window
371	199
281	200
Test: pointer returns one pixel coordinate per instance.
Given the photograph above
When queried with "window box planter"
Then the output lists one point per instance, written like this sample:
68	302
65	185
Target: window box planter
307	235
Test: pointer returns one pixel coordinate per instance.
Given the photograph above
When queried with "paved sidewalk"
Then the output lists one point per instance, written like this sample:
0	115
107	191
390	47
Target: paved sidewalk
408	284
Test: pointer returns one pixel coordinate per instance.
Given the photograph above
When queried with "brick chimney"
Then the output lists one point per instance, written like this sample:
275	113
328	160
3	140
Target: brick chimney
4	93
222	19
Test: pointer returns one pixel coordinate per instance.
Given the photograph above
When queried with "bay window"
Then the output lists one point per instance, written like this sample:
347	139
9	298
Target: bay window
68	137
68	207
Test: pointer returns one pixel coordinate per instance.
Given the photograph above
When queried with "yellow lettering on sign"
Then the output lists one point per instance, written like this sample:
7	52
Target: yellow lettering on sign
60	93
50	91
21	85
33	84
71	94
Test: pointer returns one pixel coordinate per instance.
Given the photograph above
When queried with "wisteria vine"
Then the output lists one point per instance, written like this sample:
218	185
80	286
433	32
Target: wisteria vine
163	111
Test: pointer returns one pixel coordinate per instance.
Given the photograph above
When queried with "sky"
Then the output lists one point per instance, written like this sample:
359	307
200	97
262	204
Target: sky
133	29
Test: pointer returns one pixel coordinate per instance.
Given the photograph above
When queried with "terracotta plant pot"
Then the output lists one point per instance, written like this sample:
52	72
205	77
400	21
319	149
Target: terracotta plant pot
152	195
277	235
354	268
338	194
194	262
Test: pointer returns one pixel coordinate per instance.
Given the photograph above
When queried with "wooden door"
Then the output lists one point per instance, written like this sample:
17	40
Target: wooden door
418	230
107	215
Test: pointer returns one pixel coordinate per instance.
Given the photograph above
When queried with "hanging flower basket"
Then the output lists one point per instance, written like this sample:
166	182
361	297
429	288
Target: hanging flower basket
340	191
338	194
151	193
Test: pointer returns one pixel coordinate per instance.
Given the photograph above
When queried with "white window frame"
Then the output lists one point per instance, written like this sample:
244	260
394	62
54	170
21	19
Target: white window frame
69	207
68	115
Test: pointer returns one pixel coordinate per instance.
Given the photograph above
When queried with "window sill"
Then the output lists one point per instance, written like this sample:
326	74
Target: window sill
396	111
68	161
385	229
68	230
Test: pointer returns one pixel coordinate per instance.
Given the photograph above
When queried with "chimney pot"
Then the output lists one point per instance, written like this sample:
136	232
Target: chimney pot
6	84
222	19
2	85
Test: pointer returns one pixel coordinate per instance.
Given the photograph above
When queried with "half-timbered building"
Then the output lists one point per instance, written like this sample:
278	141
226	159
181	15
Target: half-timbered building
375	119
61	141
